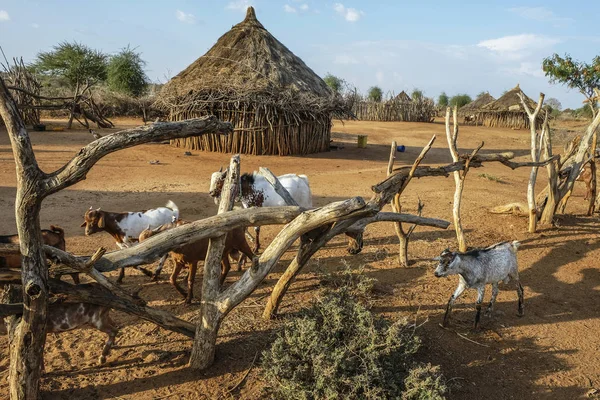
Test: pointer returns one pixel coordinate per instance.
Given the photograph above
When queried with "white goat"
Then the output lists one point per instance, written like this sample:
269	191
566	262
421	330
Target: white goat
479	267
256	191
126	227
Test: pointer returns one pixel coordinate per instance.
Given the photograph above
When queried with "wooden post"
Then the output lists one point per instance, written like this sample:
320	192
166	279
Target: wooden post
205	342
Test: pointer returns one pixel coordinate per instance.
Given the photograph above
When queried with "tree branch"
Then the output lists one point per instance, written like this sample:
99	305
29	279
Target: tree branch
77	169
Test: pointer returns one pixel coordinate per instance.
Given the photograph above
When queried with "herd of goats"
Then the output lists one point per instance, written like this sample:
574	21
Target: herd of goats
476	268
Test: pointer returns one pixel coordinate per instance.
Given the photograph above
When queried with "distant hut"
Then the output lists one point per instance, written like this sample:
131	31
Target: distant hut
403	97
477	104
276	103
507	111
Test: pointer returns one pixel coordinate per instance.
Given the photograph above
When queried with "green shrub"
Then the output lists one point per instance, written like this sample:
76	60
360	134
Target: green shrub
338	349
354	281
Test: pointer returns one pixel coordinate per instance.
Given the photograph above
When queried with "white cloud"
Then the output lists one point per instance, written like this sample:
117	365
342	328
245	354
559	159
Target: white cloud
4	16
518	46
379	76
304	7
527	69
289	9
35	26
239	5
349	14
185	17
539	14
345	59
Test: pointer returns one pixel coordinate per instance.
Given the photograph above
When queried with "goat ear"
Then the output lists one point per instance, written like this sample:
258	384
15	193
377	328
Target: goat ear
98	209
91	208
101	221
437	259
83	225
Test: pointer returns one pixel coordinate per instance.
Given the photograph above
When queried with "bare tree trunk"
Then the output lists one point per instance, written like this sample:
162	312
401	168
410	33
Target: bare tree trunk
205	342
592	198
458	180
549	209
535	157
27	344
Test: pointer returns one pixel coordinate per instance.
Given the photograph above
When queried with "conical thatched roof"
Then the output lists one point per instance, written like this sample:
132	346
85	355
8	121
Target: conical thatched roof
478	103
510	101
403	97
248	60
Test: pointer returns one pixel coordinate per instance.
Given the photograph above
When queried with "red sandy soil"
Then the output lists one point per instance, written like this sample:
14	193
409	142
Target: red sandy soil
552	352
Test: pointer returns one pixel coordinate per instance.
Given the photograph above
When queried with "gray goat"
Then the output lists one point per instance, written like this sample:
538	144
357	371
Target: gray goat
479	267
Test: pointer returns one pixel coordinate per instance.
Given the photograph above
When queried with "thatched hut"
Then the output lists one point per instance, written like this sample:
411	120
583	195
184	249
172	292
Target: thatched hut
276	103
507	111
402	97
476	104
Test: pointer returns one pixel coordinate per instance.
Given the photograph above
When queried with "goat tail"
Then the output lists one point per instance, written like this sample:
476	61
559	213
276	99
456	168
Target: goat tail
172	206
57	229
511	208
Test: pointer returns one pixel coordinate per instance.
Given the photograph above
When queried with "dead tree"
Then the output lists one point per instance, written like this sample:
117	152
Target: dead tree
459	176
33	185
536	144
403	235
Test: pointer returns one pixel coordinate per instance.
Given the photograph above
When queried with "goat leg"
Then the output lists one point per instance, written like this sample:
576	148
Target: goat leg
121	275
106	325
191	279
257	244
173	279
490	309
448	310
159	267
462	285
520	292
480	294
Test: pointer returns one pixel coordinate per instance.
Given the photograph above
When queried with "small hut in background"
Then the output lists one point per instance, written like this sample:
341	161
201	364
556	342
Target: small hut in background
402	97
470	111
507	111
276	103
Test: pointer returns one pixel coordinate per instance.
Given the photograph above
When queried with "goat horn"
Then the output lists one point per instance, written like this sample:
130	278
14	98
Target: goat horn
98	209
91	208
221	169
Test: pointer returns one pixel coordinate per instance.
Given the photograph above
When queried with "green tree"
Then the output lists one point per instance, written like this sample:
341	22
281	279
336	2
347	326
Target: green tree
443	100
460	100
416	95
126	73
375	94
74	62
579	75
335	84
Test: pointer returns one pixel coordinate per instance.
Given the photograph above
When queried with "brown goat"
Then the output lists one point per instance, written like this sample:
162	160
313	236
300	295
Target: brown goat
585	176
188	255
55	237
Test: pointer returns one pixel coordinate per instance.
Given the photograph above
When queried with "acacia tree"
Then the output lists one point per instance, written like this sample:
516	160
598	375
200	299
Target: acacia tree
443	100
417	95
81	66
126	73
579	75
335	84
460	100
375	94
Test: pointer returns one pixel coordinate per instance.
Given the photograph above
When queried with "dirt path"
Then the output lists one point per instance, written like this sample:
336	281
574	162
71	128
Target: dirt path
552	352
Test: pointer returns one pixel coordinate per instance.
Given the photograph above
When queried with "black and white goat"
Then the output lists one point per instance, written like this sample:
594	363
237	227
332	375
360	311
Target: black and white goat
126	227
256	191
479	267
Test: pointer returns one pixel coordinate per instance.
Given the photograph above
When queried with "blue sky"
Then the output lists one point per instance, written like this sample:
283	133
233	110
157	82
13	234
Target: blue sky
456	47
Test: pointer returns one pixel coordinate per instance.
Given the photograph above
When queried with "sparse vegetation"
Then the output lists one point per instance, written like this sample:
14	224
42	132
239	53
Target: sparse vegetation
417	95
338	349
490	177
355	281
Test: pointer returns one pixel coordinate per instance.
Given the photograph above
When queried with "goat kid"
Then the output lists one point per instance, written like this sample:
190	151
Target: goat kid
476	269
256	191
190	254
64	317
55	237
126	227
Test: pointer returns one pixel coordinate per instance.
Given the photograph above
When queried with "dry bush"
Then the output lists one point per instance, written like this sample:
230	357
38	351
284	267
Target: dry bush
355	281
338	349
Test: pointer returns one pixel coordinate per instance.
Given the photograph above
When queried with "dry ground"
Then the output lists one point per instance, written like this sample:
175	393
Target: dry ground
552	352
